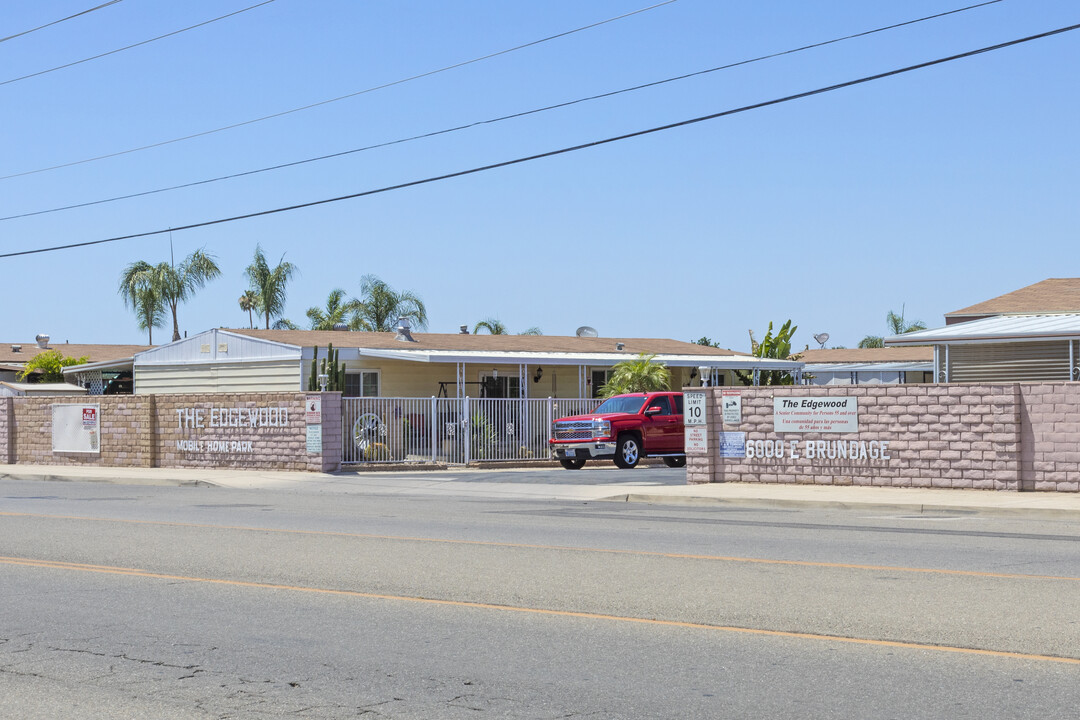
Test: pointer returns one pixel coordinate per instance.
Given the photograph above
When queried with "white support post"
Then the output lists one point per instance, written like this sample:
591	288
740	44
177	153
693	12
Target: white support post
434	428
465	428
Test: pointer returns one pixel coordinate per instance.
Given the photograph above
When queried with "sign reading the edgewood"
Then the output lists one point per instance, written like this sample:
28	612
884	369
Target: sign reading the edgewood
816	414
254	418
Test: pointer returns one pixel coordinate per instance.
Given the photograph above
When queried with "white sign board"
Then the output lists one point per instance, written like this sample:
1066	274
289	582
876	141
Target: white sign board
76	428
313	409
732	445
731	406
693	408
816	414
696	440
314	439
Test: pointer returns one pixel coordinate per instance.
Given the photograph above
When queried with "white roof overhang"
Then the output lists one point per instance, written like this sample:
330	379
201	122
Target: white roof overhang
1001	329
720	362
121	364
868	367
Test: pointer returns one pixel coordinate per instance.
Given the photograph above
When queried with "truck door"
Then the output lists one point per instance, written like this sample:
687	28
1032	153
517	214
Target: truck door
663	430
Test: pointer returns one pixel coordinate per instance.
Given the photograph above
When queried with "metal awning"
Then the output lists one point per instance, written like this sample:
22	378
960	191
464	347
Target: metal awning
1003	328
812	368
718	362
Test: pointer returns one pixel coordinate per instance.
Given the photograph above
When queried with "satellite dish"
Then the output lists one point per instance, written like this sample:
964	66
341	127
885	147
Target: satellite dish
821	339
586	331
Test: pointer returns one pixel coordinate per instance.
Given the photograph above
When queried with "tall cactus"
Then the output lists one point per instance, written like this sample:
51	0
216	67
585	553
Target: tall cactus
329	366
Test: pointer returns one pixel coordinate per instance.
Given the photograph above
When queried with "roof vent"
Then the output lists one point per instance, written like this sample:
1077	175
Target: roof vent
463	329
620	346
586	331
341	326
16	348
42	340
401	332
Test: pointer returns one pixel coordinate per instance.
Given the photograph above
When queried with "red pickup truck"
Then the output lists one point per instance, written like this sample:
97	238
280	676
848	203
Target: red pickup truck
625	428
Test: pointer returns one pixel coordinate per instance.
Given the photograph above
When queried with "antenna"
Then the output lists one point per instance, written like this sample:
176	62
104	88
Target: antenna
821	339
586	331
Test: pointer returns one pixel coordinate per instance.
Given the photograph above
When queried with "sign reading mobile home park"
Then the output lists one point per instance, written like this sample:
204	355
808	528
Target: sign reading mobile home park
816	414
255	418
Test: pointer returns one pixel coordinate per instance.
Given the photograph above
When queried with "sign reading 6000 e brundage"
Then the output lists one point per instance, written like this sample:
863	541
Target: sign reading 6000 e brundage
816	414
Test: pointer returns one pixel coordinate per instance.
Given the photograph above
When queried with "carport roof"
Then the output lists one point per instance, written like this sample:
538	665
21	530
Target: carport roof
999	329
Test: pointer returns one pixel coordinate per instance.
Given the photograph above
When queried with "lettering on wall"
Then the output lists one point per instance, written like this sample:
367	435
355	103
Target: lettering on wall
254	418
819	449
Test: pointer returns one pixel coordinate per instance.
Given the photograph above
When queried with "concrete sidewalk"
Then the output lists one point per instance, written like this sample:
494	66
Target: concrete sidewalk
517	483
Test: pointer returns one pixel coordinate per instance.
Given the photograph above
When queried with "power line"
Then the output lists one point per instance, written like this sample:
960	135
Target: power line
429	73
561	151
129	47
57	22
477	123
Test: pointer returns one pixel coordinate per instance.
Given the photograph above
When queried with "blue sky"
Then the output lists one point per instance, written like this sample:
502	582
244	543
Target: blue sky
933	190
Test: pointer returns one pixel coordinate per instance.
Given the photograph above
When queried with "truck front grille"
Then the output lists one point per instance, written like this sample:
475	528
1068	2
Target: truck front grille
574	430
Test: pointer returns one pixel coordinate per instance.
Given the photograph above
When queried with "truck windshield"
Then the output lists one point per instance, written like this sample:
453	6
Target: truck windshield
620	405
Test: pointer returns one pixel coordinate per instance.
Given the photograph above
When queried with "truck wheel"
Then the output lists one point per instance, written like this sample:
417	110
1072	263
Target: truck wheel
675	462
627	452
572	464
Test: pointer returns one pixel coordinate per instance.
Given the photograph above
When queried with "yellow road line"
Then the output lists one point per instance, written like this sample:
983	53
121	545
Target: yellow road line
105	569
564	548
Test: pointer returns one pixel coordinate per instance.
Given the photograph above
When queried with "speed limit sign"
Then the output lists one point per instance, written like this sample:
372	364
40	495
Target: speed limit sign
694	408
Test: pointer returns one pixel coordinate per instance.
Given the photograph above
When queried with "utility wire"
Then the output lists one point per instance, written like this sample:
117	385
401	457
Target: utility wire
57	22
486	122
128	47
341	97
561	151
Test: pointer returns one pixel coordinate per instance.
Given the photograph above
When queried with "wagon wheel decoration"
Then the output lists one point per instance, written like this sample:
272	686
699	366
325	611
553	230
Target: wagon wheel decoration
368	429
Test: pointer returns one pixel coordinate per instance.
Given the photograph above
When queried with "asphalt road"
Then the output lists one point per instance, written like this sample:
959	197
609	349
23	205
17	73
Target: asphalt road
124	601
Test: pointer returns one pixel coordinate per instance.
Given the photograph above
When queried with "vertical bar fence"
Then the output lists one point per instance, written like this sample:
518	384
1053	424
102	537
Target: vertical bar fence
454	431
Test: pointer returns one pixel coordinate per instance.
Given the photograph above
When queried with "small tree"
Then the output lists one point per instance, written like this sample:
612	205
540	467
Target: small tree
493	326
777	347
51	364
641	374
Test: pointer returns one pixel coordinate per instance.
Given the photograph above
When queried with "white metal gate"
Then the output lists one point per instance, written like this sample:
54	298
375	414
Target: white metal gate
452	430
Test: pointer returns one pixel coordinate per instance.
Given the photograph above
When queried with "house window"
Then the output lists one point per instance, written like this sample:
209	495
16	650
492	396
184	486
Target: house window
500	387
364	383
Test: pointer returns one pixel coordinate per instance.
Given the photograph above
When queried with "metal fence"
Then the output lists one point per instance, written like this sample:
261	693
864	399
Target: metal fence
452	430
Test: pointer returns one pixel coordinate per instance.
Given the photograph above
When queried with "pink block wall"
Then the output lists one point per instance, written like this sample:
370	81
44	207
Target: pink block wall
1009	436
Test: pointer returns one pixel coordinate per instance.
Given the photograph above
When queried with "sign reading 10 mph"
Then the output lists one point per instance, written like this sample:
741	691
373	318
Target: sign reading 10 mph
693	408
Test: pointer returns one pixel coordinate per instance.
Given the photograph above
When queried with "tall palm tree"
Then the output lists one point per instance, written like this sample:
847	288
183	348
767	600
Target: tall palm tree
641	374
173	284
381	305
248	302
269	284
493	326
338	309
141	292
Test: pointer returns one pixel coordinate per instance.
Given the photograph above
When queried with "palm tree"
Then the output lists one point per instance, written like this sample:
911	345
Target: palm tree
896	324
338	310
642	374
534	330
248	302
268	285
381	305
140	291
172	284
493	326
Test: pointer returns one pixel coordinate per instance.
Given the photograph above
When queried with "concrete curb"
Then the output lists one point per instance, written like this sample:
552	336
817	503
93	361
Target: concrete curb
914	508
153	481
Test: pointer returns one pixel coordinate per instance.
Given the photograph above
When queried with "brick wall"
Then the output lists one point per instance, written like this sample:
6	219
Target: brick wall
1050	436
7	427
1012	436
248	431
125	423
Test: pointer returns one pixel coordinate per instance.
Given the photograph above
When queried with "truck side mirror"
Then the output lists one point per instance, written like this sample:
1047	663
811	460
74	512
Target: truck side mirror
654	410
